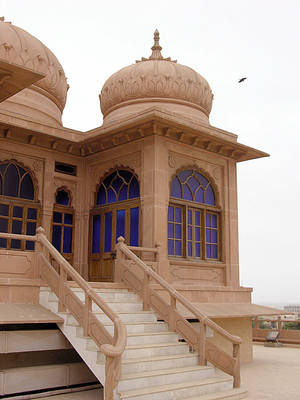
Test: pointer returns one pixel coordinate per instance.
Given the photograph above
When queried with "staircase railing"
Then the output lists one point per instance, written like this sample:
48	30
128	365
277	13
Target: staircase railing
112	346
207	351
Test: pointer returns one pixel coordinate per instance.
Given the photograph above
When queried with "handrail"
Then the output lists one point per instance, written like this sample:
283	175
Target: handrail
112	347
176	296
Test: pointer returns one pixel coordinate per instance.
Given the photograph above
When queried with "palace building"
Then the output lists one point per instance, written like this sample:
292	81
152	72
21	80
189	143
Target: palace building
156	173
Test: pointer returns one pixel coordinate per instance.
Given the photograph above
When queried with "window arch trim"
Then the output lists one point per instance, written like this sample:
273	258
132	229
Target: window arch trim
27	172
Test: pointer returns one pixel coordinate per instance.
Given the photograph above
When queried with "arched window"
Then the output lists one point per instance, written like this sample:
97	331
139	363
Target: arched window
116	213
63	223
193	217
19	210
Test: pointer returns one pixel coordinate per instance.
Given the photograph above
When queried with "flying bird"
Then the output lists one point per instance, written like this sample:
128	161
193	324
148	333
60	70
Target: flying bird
242	80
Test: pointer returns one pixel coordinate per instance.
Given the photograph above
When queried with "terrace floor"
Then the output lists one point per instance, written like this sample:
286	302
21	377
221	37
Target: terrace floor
273	374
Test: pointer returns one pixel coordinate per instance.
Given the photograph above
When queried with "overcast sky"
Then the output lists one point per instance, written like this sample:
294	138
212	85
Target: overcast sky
223	41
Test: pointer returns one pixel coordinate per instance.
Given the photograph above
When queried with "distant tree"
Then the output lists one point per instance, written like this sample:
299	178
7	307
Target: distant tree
291	325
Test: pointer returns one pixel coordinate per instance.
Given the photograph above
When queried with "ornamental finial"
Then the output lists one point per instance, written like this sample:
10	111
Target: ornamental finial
156	49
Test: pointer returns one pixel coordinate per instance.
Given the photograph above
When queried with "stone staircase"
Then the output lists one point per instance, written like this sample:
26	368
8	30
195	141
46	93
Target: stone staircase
156	365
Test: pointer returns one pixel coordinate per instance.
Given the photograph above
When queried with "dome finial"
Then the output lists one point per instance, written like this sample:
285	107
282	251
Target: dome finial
156	49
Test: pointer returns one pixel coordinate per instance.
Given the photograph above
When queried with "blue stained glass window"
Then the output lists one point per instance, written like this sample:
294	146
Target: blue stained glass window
197	218
4	209
199	196
107	232
57	217
134	190
190	249
3	228
170	247
16	228
117	183
178	248
68	219
119	186
187	194
62	197
18	212
177	214
176	188
209	196
208	223
213	220
214	236
177	231
96	234
27	189
134	226
208	251
111	196
30	230
123	195
184	175
197	234
208	237
56	237
190	233
170	231
170	213
32	213
67	240
189	217
120	228
11	182
203	181
193	184
101	196
214	251
125	174
197	250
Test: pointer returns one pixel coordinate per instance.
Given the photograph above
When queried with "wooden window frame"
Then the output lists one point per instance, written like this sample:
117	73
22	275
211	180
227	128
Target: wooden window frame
194	206
24	204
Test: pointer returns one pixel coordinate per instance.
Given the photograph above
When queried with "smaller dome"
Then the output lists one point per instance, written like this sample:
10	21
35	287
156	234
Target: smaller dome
44	100
156	81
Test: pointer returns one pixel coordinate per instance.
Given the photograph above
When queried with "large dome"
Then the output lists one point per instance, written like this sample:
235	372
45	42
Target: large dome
44	100
156	81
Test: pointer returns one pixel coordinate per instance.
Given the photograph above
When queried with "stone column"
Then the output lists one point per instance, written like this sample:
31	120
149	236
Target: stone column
155	198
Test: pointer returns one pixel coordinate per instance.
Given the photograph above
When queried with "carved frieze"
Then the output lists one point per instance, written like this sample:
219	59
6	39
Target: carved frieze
190	273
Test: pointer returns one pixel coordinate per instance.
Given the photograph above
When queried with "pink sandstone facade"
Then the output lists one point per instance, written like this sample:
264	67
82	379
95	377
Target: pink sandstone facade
156	135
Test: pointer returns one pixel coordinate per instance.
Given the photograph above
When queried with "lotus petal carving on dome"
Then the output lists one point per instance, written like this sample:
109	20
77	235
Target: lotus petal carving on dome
19	47
156	78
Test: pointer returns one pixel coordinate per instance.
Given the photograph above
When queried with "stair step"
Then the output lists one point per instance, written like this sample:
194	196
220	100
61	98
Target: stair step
138	316
164	377
178	391
159	362
152	350
140	338
110	295
132	328
233	394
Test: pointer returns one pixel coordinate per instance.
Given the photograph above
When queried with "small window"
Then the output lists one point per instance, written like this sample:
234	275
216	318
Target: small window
19	213
65	168
193	218
63	224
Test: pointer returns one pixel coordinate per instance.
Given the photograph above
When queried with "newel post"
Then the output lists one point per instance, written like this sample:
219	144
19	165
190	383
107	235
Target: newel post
38	251
61	289
172	324
120	258
87	312
146	292
237	374
202	343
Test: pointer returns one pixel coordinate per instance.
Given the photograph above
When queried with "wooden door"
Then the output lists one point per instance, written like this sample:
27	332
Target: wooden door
107	224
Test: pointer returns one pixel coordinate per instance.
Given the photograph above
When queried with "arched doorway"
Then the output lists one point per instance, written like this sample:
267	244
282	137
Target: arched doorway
116	213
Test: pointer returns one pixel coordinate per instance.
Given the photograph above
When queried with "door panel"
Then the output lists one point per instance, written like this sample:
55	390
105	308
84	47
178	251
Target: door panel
107	225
